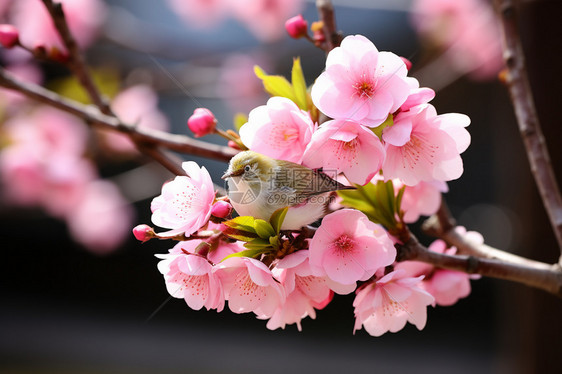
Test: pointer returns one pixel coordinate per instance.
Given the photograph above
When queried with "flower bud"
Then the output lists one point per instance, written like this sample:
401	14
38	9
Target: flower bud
143	233
297	27
233	144
407	62
9	36
221	209
202	122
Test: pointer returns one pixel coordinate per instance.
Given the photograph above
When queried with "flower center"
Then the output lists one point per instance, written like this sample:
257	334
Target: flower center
344	243
365	87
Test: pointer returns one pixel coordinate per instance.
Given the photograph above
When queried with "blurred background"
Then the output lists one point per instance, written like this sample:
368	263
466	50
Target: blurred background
74	303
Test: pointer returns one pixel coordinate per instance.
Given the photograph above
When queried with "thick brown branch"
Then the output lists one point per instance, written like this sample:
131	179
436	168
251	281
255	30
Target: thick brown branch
328	18
522	97
539	275
141	136
76	61
442	225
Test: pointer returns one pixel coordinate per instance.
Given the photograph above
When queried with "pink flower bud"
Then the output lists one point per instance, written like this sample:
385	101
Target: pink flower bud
9	36
221	209
407	62
297	27
143	233
202	122
232	144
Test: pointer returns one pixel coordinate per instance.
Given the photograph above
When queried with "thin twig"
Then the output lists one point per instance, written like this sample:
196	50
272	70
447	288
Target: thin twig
139	135
328	18
76	61
539	275
522	97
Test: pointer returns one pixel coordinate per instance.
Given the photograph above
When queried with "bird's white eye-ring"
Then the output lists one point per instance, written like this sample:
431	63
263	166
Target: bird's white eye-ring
247	168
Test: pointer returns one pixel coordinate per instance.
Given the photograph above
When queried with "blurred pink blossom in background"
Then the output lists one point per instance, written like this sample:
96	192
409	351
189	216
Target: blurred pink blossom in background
136	105
466	31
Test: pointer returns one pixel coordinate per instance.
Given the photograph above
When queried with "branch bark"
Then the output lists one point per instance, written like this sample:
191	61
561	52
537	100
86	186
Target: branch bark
141	136
539	275
76	61
529	126
328	18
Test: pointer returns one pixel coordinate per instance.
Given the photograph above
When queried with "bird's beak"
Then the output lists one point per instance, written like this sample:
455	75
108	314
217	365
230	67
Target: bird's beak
234	173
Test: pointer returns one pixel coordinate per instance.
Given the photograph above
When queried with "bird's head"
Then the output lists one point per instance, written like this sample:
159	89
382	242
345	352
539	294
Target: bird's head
250	165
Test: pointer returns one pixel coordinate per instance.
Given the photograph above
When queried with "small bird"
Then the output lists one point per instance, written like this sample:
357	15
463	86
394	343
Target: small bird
259	185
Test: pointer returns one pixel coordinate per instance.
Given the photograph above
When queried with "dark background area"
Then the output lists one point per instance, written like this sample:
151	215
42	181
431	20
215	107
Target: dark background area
66	310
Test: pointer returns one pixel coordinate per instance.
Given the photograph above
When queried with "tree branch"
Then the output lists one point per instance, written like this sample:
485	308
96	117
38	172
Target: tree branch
141	136
76	61
328	18
539	275
522	97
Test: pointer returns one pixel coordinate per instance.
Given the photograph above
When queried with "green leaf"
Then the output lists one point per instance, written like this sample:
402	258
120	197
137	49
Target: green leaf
240	120
277	219
263	229
251	253
258	243
274	241
299	85
387	123
244	236
242	223
275	85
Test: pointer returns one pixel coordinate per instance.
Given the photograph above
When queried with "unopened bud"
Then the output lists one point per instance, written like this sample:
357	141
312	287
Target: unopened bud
9	35
221	209
233	144
202	122
143	233
297	27
407	62
318	33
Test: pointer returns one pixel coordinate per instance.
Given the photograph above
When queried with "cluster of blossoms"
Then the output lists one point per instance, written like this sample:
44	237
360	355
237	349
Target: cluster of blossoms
381	130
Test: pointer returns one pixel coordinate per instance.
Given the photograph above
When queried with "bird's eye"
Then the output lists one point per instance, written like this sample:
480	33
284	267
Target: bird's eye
247	168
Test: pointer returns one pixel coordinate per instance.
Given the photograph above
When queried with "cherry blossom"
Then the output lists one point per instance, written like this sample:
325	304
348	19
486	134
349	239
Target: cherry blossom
279	130
360	83
446	286
424	146
249	286
423	199
103	218
191	277
347	147
466	31
347	247
199	13
185	203
388	303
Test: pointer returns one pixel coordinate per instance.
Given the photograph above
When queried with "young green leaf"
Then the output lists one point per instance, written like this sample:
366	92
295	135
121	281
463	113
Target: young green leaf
299	84
263	229
277	219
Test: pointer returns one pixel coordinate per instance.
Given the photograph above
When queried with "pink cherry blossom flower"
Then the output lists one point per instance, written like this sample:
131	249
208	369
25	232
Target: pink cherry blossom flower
136	105
249	286
265	18
279	130
84	18
424	146
360	83
467	31
191	277
446	286
102	221
185	203
348	147
423	199
390	302
347	247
